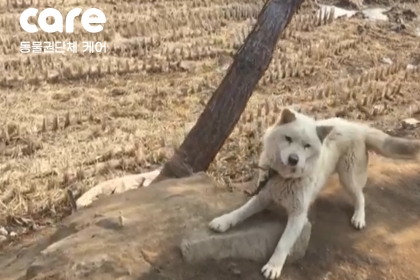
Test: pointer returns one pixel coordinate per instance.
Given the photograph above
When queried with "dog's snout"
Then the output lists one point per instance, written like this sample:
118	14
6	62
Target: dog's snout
293	159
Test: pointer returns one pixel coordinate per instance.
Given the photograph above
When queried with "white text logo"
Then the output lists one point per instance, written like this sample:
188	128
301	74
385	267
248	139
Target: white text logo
57	26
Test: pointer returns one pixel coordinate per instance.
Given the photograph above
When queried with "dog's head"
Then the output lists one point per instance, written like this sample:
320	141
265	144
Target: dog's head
294	143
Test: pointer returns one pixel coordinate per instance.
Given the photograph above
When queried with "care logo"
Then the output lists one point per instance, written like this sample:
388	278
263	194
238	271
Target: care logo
92	20
57	26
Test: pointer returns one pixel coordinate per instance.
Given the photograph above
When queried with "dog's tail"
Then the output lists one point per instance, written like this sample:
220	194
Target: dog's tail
392	147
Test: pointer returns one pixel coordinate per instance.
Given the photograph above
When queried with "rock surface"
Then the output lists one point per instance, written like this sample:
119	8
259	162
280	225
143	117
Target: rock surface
254	240
92	244
137	233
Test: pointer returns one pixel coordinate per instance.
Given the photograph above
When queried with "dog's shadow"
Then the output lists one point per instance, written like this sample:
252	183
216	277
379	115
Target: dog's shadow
392	205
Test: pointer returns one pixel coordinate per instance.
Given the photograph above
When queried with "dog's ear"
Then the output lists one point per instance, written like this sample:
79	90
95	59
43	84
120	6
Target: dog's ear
323	131
287	116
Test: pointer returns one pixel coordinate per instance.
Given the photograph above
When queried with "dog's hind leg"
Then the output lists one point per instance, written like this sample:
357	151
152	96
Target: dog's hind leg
256	204
352	171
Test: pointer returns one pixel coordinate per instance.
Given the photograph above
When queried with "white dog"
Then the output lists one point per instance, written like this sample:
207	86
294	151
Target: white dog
304	152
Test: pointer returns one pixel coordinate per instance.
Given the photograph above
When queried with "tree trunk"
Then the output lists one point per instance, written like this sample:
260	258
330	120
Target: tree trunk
225	107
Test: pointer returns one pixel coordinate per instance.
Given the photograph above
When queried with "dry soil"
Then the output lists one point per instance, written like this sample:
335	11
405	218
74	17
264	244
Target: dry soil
69	121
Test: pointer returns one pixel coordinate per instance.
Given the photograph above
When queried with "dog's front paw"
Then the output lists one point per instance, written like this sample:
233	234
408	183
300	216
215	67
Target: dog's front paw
271	271
222	223
358	220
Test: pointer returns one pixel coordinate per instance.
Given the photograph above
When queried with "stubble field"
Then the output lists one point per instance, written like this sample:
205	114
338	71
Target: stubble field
69	121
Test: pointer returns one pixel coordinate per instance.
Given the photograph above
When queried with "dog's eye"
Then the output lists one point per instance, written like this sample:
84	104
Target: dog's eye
288	139
307	146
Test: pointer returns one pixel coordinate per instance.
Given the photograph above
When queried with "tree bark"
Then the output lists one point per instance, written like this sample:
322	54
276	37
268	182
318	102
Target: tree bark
227	103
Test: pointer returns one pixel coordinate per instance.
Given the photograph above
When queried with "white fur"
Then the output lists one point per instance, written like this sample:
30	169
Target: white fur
344	151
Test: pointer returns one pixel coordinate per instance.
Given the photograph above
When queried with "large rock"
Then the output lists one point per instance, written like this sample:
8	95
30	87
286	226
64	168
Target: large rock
91	244
138	234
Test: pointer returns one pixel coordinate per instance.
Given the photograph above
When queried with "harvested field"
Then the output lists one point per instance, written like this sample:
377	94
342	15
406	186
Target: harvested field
71	120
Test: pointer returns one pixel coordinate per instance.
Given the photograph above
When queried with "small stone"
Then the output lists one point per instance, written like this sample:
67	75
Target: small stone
387	60
3	231
121	219
224	61
26	222
234	269
411	67
410	122
2	238
118	91
13	234
187	66
35	227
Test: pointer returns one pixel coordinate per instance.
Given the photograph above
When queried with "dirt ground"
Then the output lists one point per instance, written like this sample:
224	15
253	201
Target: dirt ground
91	245
69	121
